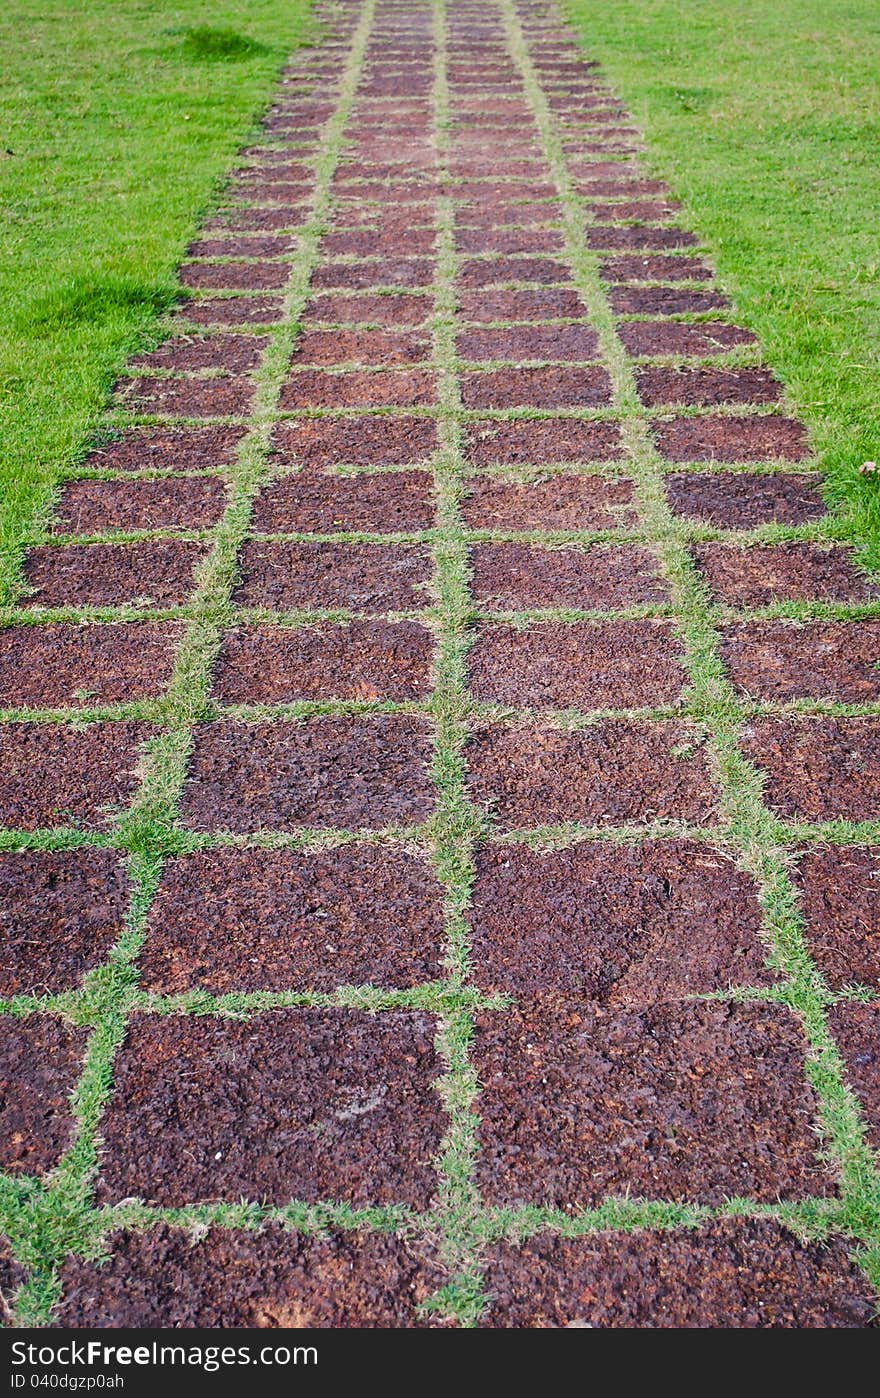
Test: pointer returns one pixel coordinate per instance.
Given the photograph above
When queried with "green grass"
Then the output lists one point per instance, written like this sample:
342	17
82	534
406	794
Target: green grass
117	121
764	120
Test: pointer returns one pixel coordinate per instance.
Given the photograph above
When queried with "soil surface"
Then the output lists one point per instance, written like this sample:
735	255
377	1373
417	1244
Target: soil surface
391	735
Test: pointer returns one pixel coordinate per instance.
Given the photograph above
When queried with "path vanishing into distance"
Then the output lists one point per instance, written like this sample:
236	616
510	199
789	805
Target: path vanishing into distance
440	755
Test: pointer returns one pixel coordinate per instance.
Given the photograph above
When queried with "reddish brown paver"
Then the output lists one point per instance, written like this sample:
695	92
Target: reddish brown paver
611	774
63	775
227	920
341	772
282	1280
152	572
516	577
74	667
362	660
840	891
758	576
692	1101
339	701
818	768
621	925
41	1060
731	1273
291	1104
361	577
61	912
581	665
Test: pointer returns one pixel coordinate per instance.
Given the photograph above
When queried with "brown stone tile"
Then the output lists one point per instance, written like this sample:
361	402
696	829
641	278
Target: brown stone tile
818	768
857	1031
361	276
509	240
354	773
389	309
41	1060
517	577
737	500
698	1101
524	441
229	920
497	271
664	300
176	502
167	449
555	387
76	666
378	347
840	890
557	502
583	665
394	502
617	924
370	578
731	439
236	354
705	387
479	306
381	441
152	572
521	343
607	774
730	1273
650	337
291	1104
217	397
757	576
163	1277
405	388
232	310
362	660
651	268
61	775
61	911
234	276
781	660
653	239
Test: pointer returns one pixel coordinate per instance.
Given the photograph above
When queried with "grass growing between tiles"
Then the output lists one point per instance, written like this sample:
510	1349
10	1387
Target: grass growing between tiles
118	120
764	120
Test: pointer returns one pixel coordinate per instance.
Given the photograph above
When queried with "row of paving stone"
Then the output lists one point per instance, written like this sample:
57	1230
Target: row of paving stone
606	1079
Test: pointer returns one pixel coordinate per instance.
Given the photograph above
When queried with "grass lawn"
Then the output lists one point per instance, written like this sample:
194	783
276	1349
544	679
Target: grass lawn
763	117
117	119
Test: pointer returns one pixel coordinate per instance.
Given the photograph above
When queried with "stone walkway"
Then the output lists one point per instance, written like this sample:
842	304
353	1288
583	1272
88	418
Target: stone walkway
439	757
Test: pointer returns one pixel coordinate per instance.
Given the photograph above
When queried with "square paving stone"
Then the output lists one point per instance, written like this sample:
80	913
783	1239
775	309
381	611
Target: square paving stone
650	267
558	502
840	890
731	439
556	387
540	443
60	775
361	441
394	309
704	387
232	310
167	449
509	240
818	768
857	1031
234	276
175	502
758	576
389	271
234	354
41	1061
227	920
291	1104
363	660
384	502
607	774
618	924
152	572
735	500
371	578
496	271
61	911
729	1273
663	300
583	665
359	773
218	397
697	1101
520	343
316	388
658	337
517	577
71	666
273	1278
524	305
375	347
782	660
